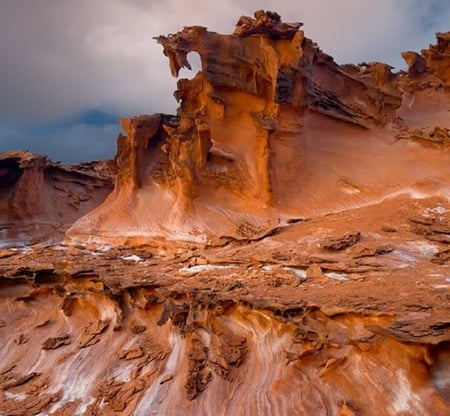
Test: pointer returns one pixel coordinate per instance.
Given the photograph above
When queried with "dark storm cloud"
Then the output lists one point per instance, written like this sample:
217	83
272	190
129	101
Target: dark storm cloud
61	58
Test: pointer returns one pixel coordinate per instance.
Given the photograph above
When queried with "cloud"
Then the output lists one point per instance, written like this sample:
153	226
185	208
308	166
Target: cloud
62	58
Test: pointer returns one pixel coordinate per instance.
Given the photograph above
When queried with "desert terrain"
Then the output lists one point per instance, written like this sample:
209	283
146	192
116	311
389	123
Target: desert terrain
280	246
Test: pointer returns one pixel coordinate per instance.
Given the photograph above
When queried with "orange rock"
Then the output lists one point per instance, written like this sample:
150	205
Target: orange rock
267	131
314	272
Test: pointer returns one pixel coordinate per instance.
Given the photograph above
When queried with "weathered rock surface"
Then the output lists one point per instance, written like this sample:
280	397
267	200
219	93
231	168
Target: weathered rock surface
269	130
318	197
40	199
431	67
282	326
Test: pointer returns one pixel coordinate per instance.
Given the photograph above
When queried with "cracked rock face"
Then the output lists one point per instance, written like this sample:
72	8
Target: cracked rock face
270	129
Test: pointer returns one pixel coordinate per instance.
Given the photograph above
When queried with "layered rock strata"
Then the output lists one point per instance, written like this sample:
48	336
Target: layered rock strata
40	199
270	129
318	197
345	314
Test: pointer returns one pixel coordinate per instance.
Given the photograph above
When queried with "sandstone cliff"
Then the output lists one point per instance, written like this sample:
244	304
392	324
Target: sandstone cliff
40	199
272	129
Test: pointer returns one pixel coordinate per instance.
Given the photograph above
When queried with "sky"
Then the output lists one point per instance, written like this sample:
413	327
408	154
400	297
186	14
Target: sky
69	69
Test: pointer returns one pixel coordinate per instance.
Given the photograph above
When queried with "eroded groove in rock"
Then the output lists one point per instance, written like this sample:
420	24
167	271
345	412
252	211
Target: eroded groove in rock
233	360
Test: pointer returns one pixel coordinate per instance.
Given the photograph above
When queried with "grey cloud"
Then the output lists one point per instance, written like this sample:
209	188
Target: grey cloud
61	57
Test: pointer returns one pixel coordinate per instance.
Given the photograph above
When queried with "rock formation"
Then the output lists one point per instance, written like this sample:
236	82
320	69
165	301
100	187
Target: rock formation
268	117
344	314
279	247
431	65
41	199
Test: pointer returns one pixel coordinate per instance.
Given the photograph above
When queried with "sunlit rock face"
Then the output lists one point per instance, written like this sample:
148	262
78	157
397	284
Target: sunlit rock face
259	330
270	129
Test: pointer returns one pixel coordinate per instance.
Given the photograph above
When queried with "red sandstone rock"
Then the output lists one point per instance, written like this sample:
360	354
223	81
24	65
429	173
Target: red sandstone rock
271	129
432	65
244	326
40	199
327	189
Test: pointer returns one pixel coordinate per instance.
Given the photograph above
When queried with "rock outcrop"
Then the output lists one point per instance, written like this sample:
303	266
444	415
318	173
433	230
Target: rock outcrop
431	67
426	86
345	314
40	199
267	119
317	195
